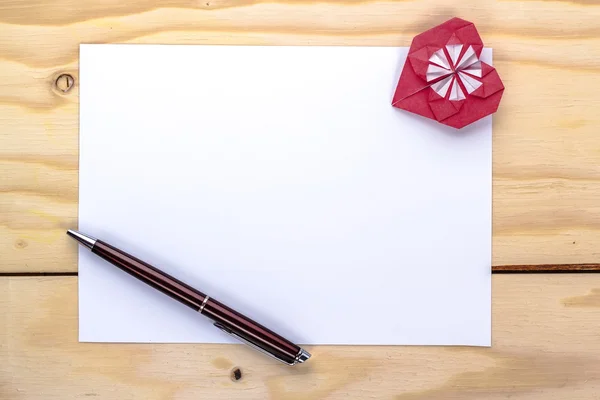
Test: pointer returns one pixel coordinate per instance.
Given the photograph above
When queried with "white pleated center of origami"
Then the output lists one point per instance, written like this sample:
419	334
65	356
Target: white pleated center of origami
450	70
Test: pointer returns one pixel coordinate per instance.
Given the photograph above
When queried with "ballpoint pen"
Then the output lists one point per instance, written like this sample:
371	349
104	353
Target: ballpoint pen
223	317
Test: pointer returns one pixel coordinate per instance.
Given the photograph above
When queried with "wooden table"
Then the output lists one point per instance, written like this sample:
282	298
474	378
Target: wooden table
546	336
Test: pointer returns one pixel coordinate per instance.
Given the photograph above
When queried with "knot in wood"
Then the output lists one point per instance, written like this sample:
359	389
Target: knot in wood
236	374
64	82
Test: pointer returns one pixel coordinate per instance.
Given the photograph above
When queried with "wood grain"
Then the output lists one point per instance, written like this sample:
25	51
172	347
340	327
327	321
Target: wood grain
545	346
546	146
546	210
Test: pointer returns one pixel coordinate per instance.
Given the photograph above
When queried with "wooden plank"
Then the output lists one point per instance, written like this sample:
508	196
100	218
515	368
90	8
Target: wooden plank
545	346
546	146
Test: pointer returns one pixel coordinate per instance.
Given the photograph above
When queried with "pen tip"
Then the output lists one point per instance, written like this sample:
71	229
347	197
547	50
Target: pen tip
302	356
85	240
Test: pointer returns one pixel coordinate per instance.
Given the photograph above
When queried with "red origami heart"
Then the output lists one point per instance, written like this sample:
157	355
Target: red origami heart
444	79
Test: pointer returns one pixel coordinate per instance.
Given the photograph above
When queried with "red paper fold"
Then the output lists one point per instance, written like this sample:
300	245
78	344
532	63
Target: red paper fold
444	79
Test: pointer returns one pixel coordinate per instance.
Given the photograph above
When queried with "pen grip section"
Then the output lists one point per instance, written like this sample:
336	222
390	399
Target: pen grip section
245	329
150	275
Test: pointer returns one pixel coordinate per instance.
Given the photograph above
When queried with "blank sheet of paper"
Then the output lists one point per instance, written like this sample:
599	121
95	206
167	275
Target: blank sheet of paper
280	181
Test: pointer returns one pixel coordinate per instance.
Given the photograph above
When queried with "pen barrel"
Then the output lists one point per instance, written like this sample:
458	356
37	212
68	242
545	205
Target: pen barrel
250	331
150	275
224	317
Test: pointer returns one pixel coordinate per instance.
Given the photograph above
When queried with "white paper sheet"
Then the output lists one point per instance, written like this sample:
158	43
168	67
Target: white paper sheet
280	181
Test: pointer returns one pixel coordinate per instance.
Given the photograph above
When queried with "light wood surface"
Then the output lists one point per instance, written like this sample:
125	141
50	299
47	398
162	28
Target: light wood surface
546	343
546	146
546	346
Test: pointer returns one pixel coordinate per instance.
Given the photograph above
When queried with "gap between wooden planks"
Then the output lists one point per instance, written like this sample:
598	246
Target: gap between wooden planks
545	347
545	268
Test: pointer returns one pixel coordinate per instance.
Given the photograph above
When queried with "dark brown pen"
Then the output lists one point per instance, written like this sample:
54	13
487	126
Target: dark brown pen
224	318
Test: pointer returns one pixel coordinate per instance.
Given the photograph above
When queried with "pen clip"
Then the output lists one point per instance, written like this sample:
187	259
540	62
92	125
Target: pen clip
249	343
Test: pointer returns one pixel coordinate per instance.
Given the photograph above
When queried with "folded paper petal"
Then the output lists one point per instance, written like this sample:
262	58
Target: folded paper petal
444	78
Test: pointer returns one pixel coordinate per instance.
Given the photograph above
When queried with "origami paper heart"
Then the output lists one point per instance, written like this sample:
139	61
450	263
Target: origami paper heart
444	79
